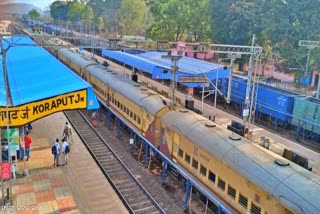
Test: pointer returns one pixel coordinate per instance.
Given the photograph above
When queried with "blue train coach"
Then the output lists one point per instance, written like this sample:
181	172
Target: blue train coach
275	103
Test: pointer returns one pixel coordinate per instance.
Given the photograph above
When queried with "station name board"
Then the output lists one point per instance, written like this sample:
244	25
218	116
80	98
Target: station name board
193	79
26	113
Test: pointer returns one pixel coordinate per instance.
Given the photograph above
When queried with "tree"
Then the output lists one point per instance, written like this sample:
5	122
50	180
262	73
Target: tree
76	11
89	16
34	14
170	19
59	10
100	24
199	27
290	22
132	17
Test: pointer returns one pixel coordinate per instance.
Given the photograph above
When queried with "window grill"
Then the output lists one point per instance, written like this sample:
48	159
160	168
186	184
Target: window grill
180	153
243	201
195	163
255	209
203	170
187	158
232	192
221	184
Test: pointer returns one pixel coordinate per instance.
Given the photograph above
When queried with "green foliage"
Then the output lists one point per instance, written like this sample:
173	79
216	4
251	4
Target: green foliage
100	24
179	20
132	17
278	26
76	11
59	10
34	14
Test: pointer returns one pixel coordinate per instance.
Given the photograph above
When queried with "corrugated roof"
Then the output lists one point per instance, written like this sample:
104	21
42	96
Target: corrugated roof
133	60
186	64
159	68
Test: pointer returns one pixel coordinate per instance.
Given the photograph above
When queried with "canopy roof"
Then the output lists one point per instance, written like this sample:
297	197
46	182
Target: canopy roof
159	67
37	78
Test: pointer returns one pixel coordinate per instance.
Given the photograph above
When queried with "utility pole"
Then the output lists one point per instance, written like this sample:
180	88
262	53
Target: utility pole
232	57
246	109
8	102
174	69
310	45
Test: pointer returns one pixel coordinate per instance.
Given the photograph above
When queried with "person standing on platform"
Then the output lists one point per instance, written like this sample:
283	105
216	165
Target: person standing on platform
21	147
94	119
27	142
67	132
56	151
65	150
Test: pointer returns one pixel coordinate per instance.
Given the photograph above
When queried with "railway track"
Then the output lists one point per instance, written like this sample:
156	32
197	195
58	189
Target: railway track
135	197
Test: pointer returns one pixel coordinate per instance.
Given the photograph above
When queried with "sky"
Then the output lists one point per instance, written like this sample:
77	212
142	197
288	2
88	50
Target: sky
42	4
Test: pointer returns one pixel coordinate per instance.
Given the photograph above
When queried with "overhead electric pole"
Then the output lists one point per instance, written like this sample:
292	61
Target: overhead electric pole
311	45
174	69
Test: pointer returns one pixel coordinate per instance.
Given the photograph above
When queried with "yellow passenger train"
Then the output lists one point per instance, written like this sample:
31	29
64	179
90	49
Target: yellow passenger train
247	178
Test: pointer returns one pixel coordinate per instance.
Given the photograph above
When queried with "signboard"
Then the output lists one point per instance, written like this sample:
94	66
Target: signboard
5	171
193	79
26	113
13	136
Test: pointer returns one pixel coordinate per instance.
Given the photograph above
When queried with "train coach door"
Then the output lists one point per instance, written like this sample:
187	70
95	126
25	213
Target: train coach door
175	146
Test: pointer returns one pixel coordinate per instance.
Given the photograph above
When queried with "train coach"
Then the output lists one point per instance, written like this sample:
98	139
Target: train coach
271	103
306	117
139	106
248	178
285	108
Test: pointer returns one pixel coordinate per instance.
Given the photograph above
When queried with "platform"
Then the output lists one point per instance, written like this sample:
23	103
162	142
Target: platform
78	187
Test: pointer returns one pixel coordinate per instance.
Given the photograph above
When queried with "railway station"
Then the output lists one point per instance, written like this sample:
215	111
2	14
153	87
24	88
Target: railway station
154	131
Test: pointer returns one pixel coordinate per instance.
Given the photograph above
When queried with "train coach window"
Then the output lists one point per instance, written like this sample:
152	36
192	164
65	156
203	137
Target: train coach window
180	153
195	163
131	114
243	201
139	120
221	184
187	158
232	192
203	170
255	209
118	104
134	117
124	108
212	177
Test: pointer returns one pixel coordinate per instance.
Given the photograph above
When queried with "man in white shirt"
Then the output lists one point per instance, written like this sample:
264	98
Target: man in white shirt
65	150
56	152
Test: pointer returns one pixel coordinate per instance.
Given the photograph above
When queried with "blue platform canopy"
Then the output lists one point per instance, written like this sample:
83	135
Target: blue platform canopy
39	84
136	62
188	67
159	67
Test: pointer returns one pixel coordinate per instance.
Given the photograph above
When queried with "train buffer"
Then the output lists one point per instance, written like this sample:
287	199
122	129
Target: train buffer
238	128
